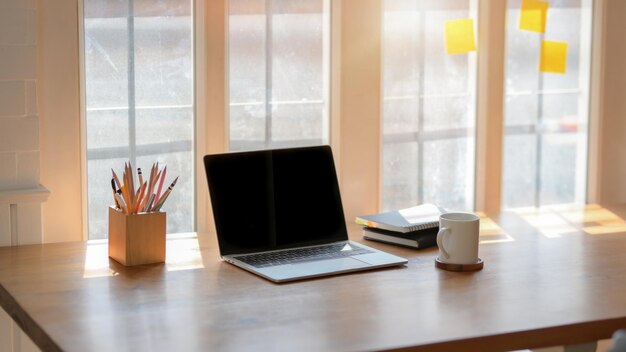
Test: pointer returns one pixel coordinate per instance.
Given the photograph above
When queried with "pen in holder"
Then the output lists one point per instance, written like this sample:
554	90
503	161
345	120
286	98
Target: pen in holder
136	239
136	224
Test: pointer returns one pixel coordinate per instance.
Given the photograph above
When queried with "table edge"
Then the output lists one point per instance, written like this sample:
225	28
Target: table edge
28	325
561	335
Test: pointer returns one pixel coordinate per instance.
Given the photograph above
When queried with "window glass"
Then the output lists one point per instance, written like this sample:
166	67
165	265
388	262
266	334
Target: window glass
429	107
139	100
278	73
546	114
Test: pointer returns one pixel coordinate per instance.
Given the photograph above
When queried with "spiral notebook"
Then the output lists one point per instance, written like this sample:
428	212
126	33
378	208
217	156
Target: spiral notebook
424	216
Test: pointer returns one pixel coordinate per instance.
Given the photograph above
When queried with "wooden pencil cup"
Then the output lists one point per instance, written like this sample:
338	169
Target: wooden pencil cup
136	239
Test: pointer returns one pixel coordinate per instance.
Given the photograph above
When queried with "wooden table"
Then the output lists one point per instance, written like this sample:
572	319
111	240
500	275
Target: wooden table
551	277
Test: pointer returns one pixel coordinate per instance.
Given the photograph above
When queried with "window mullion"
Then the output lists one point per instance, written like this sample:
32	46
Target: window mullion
421	48
269	17
132	133
539	135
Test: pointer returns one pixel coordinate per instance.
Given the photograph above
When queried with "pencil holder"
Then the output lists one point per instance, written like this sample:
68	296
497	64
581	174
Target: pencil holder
136	239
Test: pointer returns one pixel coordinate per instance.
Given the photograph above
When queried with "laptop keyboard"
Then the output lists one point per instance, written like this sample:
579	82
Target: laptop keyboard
301	255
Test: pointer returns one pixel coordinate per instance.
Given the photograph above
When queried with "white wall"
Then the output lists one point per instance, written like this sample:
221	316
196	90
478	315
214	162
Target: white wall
19	140
19	124
19	121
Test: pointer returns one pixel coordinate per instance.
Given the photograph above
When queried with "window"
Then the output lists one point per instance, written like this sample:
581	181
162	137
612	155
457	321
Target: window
139	100
546	114
429	107
278	73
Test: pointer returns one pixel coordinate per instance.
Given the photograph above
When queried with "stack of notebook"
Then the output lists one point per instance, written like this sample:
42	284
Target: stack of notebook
415	227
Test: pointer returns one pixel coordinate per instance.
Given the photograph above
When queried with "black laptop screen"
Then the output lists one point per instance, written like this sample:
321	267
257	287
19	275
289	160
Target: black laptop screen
275	199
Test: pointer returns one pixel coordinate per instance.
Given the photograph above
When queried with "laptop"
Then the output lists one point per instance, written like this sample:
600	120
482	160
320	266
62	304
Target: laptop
278	214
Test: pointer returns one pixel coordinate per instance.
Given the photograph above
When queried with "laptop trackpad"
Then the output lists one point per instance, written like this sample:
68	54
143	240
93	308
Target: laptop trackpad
324	266
314	268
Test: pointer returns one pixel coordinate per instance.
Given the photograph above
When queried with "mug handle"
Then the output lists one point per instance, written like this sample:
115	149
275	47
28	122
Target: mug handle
442	232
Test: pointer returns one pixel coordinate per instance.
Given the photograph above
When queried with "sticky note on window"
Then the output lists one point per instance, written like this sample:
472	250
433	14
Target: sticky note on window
553	57
533	16
460	36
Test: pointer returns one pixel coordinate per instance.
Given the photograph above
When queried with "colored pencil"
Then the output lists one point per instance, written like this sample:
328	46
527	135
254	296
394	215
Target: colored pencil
158	194
145	198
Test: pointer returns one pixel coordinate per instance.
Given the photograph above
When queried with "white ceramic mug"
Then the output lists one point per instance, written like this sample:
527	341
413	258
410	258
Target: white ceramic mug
458	238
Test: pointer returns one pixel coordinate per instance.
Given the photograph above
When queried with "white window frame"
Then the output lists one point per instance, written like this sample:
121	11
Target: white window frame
356	102
268	100
583	93
420	136
132	147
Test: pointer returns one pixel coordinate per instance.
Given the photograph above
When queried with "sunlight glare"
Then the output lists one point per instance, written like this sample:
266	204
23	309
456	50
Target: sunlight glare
491	232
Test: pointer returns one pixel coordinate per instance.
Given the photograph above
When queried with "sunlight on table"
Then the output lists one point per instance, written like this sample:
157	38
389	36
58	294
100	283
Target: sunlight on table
557	220
491	232
97	260
183	253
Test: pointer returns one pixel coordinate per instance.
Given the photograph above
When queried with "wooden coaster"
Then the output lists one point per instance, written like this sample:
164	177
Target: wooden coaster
459	267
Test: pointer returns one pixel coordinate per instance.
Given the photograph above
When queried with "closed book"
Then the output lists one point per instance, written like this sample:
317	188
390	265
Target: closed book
416	239
416	218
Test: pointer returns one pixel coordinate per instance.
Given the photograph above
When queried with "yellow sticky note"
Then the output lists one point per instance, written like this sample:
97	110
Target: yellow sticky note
533	16
553	56
460	36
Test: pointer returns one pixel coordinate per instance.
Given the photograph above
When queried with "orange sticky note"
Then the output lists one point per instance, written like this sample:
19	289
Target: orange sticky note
460	36
533	16
553	57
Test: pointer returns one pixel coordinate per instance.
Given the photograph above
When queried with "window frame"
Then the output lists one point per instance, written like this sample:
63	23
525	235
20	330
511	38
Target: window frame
132	147
358	152
539	132
268	101
420	136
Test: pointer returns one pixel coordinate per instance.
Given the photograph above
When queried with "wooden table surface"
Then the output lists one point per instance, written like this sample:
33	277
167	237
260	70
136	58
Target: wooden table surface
555	276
